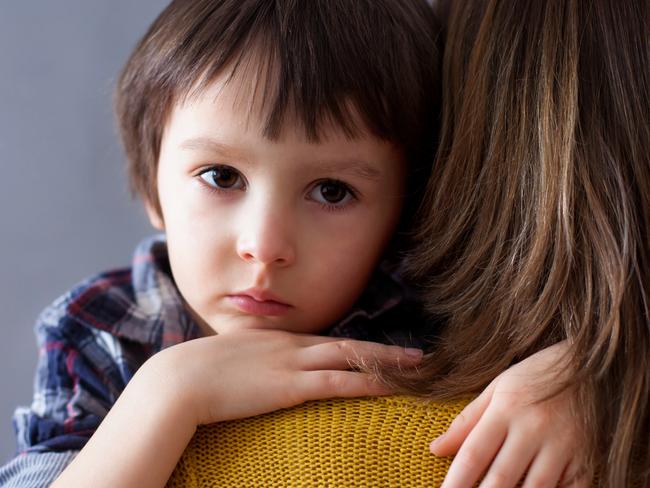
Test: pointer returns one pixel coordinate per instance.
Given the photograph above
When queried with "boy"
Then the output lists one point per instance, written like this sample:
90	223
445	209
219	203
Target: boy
273	143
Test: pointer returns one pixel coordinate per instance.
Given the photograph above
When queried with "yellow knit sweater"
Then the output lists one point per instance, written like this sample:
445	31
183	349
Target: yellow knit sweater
379	441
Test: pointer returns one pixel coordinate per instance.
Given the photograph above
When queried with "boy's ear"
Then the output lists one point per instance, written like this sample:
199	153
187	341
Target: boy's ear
155	218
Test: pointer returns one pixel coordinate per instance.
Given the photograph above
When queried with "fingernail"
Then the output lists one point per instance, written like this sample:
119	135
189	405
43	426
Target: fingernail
414	352
435	442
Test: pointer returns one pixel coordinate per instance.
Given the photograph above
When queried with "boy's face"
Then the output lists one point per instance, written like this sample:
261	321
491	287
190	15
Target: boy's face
271	234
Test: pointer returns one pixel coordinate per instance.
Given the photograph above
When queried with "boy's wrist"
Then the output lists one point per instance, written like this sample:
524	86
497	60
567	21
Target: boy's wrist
161	389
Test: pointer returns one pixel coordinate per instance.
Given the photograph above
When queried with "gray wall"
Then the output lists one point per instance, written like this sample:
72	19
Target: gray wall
65	212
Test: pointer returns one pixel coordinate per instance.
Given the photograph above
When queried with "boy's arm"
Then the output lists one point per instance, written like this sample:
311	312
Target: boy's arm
138	443
215	379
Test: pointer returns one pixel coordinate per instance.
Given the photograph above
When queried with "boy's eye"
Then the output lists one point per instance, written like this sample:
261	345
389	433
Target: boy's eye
223	178
331	192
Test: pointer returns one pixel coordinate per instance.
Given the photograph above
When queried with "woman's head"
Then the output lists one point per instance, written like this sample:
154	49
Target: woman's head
537	221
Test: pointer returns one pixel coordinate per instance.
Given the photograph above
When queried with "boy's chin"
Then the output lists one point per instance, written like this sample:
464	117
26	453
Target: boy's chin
232	325
242	323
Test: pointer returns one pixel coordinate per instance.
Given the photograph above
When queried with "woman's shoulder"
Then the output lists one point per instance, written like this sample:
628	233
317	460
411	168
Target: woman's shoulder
374	441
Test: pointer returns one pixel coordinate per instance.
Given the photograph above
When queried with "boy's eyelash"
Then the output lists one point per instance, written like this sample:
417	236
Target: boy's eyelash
213	189
332	207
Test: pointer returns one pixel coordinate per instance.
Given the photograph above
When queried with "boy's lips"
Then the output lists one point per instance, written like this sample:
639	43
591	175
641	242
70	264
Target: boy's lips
256	301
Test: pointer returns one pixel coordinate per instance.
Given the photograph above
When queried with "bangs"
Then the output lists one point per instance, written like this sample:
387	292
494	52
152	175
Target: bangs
300	63
261	89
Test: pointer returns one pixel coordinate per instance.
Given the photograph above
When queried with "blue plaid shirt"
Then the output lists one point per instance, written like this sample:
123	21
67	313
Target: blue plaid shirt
93	340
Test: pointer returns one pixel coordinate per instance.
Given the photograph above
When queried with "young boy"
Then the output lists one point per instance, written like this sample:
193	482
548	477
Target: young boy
277	145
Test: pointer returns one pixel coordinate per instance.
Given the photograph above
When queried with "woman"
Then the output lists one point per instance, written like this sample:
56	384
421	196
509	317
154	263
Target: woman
545	148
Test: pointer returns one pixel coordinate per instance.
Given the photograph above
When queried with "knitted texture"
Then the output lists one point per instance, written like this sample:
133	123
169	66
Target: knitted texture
380	441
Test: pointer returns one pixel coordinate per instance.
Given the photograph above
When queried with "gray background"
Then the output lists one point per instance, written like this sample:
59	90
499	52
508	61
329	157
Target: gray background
65	212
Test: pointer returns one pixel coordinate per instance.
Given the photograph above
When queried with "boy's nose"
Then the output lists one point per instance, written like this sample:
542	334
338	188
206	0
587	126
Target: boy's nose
266	240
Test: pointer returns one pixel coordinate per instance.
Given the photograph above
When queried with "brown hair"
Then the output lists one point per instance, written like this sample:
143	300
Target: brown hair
329	61
536	224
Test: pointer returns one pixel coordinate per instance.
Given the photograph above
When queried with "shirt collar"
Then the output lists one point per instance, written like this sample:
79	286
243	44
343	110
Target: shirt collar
384	292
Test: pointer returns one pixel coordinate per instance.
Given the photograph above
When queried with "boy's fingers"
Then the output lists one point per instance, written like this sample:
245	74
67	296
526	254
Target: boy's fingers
316	385
449	443
511	462
546	469
476	454
575	476
338	355
307	340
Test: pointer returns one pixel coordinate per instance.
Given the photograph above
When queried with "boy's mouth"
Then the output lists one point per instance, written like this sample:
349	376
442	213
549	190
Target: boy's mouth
256	301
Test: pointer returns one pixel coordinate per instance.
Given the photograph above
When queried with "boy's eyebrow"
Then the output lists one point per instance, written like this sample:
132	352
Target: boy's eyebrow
351	166
355	167
205	143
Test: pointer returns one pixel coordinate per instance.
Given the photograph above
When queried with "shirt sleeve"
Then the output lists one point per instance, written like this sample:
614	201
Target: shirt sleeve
34	470
72	394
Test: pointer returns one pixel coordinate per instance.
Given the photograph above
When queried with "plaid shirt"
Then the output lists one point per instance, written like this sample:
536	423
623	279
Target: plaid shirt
93	340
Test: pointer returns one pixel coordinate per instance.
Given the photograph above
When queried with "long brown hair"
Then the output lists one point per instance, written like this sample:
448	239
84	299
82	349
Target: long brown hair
536	224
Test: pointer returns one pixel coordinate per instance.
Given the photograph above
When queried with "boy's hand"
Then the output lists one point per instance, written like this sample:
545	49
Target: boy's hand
252	372
212	379
504	432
